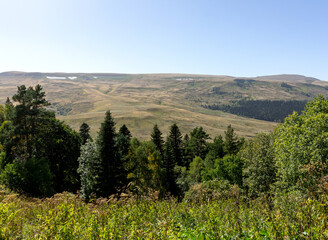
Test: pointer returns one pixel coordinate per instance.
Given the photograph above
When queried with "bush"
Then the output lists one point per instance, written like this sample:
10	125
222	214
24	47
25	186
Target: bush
32	177
12	176
227	168
208	191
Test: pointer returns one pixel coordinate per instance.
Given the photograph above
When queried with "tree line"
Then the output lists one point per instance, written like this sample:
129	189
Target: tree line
40	155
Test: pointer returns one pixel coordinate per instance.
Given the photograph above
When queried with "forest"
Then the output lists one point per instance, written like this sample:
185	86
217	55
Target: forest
65	184
268	110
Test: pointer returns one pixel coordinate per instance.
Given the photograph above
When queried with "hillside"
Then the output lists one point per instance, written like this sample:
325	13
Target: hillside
141	100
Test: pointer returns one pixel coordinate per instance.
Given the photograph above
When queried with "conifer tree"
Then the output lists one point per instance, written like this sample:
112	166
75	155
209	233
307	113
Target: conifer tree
84	133
125	132
168	170
231	143
175	145
157	139
123	141
197	145
112	176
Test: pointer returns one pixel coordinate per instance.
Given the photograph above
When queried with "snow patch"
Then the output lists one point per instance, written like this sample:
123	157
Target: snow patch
56	77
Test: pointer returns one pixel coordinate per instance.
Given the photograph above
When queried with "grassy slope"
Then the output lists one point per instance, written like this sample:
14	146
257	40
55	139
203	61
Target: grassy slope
141	100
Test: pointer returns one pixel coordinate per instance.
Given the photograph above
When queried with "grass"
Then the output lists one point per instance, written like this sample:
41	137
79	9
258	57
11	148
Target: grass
141	100
65	216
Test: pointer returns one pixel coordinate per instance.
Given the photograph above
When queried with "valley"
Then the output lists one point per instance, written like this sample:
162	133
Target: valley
141	100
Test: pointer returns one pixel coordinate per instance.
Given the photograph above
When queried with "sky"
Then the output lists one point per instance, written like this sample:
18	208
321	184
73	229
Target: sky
242	38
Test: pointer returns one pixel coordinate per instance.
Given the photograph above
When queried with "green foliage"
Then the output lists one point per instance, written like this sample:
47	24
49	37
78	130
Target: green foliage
60	145
197	145
123	141
125	132
84	133
157	139
29	114
2	114
268	110
34	142
12	176
89	169
301	148
38	177
227	168
112	176
232	144
216	149
196	167
144	167
32	176
258	158
175	145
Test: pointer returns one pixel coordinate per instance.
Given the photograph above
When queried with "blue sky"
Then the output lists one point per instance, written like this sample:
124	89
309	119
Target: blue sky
224	37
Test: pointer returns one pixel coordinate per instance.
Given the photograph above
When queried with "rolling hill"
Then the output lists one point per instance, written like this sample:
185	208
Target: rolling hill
141	100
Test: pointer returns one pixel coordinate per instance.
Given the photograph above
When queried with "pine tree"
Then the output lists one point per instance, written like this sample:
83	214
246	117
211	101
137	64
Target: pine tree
123	141
197	145
232	143
125	132
175	145
157	139
173	157
84	133
169	173
112	176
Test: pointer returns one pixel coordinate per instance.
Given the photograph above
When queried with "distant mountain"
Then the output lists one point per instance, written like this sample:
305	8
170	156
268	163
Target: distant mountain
141	100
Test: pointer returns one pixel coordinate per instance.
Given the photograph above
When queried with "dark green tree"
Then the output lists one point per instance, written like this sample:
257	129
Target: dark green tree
29	113
216	148
175	145
157	139
112	176
232	144
169	174
84	132
60	145
123	141
43	149
197	145
125	132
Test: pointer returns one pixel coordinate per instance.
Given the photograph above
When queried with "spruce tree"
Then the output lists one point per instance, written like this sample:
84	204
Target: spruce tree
125	132
175	145
157	139
231	143
197	145
169	173
111	177
123	142
173	157
84	133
